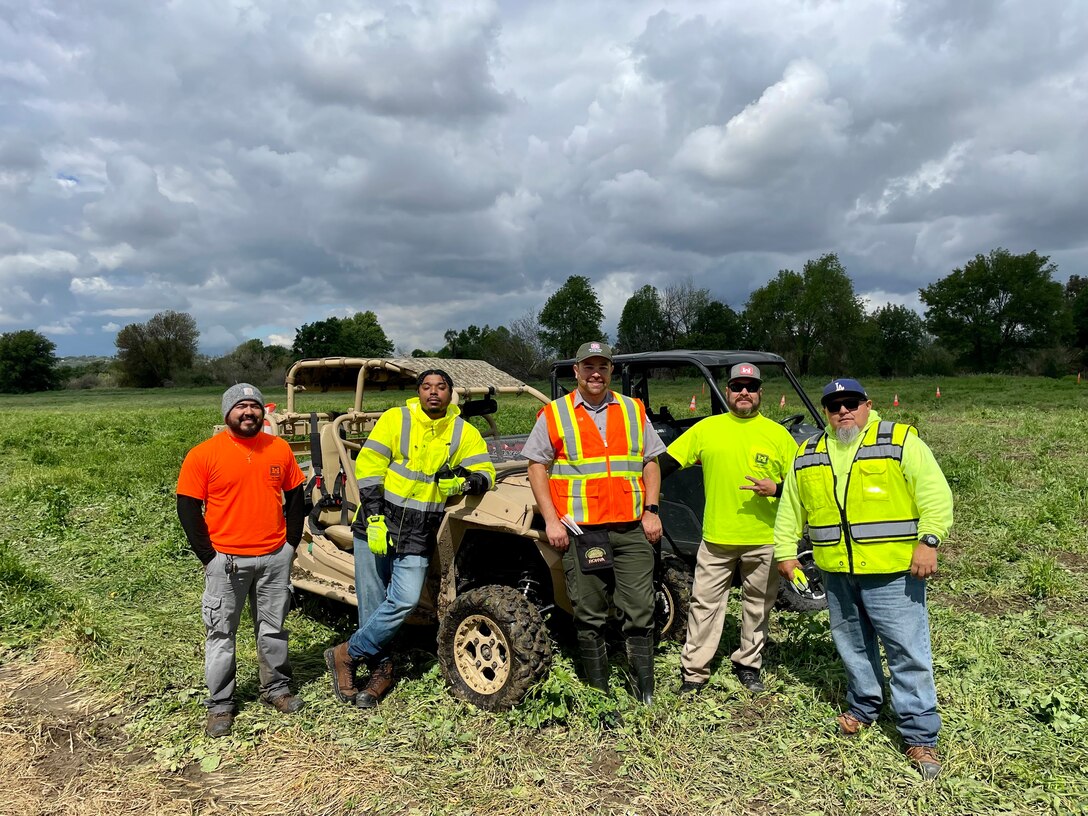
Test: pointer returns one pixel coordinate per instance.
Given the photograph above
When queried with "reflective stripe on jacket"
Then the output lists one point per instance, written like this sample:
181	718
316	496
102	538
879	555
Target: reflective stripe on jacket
400	458
593	480
880	512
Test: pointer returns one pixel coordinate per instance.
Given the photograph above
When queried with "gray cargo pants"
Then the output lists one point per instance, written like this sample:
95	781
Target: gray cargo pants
228	581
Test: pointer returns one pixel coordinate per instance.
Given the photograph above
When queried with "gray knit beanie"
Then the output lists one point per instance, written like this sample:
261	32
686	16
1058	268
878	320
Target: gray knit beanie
236	393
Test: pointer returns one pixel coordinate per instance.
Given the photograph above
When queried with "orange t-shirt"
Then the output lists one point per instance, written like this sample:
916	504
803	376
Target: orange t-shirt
241	482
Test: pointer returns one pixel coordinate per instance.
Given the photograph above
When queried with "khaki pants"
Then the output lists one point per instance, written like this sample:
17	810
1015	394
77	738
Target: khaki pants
714	570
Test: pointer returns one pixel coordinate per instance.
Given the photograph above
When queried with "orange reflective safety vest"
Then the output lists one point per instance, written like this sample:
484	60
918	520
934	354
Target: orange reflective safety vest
594	480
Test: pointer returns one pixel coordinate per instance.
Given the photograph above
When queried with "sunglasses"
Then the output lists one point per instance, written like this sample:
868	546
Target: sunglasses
737	387
851	404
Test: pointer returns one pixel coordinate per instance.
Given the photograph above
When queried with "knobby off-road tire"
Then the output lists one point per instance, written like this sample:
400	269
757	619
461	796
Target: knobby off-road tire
814	600
672	600
492	647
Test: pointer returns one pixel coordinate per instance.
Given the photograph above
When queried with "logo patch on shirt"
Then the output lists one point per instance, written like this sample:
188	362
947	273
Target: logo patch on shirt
762	459
275	471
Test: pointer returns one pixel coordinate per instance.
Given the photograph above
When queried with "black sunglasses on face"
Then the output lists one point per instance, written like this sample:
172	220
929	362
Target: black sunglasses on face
851	404
737	387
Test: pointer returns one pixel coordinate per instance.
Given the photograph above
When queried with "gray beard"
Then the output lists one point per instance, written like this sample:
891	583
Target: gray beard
847	435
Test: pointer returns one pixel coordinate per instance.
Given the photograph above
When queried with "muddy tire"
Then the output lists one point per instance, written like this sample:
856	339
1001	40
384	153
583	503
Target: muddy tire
672	600
492	647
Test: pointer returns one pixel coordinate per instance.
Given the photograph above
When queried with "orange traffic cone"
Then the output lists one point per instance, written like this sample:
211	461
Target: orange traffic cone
782	402
692	406
938	392
895	401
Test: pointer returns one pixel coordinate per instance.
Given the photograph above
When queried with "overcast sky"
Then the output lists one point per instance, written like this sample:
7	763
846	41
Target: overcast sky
265	164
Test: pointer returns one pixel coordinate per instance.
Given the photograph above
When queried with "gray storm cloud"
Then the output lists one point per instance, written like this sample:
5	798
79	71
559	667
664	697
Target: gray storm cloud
265	165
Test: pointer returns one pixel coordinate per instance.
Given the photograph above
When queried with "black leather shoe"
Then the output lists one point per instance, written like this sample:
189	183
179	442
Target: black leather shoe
749	678
691	687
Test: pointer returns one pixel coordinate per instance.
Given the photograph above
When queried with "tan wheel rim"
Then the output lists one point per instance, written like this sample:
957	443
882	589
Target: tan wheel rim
482	654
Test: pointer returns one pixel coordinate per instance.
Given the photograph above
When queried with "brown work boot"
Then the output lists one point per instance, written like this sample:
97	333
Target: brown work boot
342	668
219	723
849	725
284	703
381	680
925	759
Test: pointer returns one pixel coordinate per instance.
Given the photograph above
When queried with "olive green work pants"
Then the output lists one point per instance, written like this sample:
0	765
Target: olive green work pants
629	584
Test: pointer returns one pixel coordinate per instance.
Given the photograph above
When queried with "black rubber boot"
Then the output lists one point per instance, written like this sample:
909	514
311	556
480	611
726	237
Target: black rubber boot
640	654
594	659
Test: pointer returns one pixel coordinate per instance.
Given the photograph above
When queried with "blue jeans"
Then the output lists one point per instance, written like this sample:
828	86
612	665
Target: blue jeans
388	587
891	608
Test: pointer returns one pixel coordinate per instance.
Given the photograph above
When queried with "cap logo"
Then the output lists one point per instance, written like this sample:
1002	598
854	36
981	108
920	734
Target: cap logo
839	386
745	369
594	346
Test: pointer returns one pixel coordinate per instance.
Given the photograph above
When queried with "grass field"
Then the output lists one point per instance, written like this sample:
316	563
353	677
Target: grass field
101	650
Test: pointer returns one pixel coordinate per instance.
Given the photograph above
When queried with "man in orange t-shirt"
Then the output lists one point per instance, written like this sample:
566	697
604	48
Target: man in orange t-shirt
240	502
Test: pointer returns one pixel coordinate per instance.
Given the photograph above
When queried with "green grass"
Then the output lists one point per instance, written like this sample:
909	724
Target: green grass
92	558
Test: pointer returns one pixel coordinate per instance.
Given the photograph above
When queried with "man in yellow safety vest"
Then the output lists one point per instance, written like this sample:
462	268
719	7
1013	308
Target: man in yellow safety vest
877	507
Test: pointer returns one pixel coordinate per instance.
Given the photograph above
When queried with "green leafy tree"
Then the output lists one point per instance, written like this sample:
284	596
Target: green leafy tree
995	307
254	362
811	317
27	362
357	336
571	316
642	323
515	350
716	327
157	352
363	336
467	344
899	335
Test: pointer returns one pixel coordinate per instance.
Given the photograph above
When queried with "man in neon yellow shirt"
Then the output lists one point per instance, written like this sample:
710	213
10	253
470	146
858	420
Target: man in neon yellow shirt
745	458
877	506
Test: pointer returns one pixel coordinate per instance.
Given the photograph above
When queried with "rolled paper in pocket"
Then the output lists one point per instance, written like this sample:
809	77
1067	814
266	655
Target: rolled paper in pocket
594	550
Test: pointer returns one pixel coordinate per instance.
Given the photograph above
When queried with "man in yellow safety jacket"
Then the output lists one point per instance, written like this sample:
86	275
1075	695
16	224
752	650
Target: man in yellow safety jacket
877	507
593	470
415	458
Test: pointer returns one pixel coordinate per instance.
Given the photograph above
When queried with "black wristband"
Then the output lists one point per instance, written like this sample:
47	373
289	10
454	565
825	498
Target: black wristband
778	489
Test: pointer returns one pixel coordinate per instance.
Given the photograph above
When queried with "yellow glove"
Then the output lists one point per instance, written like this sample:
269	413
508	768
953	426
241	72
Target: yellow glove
377	535
453	486
800	580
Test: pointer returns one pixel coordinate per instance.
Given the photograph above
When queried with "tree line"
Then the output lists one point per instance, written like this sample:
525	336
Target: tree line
999	312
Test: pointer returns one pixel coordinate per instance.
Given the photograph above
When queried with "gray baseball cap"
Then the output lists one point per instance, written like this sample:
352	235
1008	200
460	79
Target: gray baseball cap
744	371
237	393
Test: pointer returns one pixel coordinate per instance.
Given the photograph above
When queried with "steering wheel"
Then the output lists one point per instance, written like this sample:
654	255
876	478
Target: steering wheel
792	419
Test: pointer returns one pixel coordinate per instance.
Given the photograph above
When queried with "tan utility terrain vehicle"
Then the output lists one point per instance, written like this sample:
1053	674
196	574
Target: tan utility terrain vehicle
493	577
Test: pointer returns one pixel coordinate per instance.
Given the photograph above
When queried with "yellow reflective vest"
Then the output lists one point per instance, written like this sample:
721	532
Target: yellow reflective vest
877	529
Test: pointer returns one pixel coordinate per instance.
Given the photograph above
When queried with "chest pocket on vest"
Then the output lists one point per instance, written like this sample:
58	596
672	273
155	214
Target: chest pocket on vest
813	487
567	489
874	479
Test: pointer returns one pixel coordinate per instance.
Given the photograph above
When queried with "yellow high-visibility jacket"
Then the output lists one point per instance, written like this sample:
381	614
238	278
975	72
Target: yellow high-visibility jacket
397	465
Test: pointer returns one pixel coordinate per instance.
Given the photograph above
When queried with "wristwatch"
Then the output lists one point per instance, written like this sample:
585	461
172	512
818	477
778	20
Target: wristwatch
653	508
930	540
